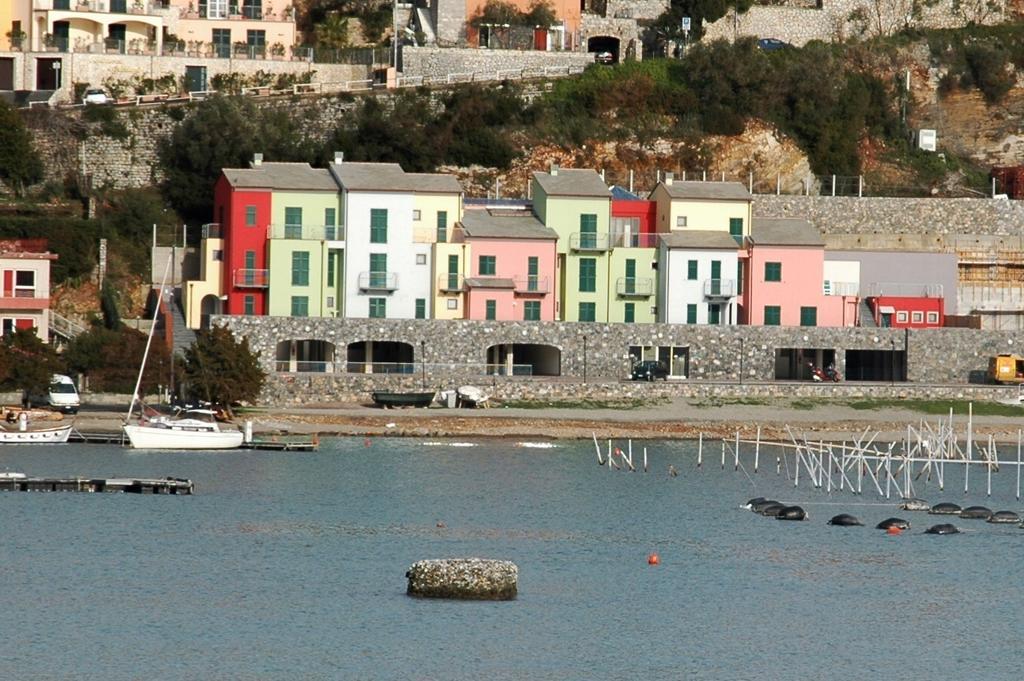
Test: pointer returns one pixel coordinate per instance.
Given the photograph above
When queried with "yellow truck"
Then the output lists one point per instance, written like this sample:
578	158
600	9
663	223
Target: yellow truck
1006	369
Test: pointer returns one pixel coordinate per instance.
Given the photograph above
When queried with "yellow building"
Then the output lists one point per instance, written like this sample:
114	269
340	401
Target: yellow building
437	210
704	206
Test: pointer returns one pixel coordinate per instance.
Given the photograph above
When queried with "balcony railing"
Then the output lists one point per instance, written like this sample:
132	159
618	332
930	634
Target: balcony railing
408	368
211	230
907	290
378	281
450	282
531	284
719	288
634	286
308	232
841	288
250	278
588	241
27	293
634	240
105	6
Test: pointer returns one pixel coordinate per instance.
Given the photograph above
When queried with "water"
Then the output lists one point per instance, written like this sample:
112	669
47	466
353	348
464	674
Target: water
291	566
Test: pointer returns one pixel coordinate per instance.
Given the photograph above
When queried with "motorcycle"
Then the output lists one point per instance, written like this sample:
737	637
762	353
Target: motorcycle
832	373
829	374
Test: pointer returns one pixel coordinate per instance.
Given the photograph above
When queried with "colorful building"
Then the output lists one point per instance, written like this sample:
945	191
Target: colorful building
513	266
715	206
696	284
906	306
784	282
25	297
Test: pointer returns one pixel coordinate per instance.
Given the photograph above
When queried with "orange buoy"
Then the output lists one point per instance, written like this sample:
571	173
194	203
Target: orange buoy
653	559
366	442
894	530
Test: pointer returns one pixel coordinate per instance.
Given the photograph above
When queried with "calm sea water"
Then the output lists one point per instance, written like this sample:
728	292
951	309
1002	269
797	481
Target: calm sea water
291	566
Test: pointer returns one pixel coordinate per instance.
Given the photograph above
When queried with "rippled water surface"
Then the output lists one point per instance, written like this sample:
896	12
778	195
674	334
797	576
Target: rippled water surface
293	566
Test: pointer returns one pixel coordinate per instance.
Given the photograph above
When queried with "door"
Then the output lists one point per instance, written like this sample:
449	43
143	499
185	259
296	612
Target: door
7	73
250	267
222	42
714	314
116	38
716	278
540	38
61	35
195	78
532	270
48	74
378	270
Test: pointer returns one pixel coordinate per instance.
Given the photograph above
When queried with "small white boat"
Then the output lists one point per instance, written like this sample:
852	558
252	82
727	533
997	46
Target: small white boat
35	436
193	429
471	396
11	475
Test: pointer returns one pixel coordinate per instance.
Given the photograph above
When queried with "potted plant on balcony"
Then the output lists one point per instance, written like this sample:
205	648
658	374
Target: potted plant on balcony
137	8
241	48
49	42
82	6
16	38
288	12
277	50
191	12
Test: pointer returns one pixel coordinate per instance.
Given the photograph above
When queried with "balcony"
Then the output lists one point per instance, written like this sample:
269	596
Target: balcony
247	278
641	287
588	241
531	285
25	299
841	288
450	283
211	230
378	281
634	240
307	232
905	290
719	288
103	6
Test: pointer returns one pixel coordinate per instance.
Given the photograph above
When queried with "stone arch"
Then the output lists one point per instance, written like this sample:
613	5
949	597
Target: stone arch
605	43
380	357
210	305
304	356
524	359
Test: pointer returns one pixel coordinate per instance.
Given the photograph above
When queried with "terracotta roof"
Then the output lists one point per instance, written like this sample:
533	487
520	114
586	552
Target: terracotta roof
784	232
297	176
486	225
699	238
713	191
573	182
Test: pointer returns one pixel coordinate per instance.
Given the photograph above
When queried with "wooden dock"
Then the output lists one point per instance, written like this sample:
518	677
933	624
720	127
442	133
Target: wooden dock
281	443
123	485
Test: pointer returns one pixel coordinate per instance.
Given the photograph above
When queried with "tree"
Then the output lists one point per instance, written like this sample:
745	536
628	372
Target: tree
332	33
221	369
20	165
27	363
400	135
700	12
110	358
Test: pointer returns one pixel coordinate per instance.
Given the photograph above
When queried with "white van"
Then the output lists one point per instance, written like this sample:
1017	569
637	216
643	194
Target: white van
61	396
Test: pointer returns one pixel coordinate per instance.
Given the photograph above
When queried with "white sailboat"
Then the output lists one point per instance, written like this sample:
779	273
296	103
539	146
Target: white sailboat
191	429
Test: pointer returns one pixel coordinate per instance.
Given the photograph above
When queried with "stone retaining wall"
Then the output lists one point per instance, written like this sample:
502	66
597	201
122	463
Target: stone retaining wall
443	61
601	352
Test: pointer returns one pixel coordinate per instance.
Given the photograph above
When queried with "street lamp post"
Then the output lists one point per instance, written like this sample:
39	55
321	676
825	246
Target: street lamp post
423	364
741	360
892	363
584	359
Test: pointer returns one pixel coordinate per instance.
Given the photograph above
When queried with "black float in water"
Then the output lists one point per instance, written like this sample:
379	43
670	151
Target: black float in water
1004	517
898	523
944	508
791	513
754	502
845	520
944	528
976	513
772	510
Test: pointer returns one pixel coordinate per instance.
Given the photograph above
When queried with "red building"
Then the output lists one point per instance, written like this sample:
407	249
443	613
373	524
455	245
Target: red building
908	312
242	202
633	220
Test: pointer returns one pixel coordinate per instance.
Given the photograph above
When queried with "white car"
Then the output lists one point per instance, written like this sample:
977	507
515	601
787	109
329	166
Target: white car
95	96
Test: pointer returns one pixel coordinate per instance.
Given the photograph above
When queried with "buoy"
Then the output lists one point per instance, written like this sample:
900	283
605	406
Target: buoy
892	529
653	559
441	524
366	442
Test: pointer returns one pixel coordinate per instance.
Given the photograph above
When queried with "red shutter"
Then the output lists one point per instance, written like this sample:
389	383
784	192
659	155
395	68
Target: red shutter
8	283
24	324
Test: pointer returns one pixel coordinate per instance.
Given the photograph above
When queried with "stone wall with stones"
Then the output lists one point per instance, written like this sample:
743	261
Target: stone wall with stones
831	21
626	30
601	353
439	61
636	9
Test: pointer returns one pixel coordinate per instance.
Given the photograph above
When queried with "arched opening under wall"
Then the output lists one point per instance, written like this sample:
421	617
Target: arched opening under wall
795	364
380	357
605	48
524	359
304	356
209	306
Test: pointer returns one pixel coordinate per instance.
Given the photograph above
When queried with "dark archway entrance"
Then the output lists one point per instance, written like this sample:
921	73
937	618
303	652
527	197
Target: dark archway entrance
380	357
524	359
305	356
603	45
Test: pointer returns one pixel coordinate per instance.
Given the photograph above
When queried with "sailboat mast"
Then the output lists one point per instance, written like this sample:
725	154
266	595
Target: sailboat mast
149	339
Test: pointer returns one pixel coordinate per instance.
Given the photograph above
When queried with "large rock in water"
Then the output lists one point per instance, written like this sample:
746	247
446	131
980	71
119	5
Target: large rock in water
465	578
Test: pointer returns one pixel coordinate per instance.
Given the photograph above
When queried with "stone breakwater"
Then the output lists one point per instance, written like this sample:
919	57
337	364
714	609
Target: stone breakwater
464	578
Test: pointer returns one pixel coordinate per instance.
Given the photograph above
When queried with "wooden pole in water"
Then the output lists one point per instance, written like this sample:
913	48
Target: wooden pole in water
736	459
723	455
988	468
970	443
597	447
1018	464
757	449
888	472
645	459
700	449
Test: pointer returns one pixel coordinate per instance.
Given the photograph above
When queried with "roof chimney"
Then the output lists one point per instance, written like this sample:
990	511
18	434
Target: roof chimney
554	169
257	160
339	156
668	179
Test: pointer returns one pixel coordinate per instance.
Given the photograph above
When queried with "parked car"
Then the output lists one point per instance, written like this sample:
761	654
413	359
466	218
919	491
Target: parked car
649	370
62	396
604	58
95	96
769	44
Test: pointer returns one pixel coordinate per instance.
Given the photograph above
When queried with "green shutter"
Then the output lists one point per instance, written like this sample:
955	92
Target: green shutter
300	268
531	311
691	313
300	306
629	314
487	265
329	217
588	275
292	223
491	309
773	271
378	308
250	305
378	226
736	229
588	312
588	231
330	268
808	316
442	226
532	270
421	308
739	278
378	270
714	314
691	270
772	315
250	216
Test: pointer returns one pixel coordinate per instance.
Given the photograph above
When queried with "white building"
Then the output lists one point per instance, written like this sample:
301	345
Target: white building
699	278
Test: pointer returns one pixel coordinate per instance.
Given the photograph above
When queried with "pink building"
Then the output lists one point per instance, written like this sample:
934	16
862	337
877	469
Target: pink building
784	279
25	297
511	274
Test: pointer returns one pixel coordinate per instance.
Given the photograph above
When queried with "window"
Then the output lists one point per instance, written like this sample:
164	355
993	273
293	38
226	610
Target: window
300	268
490	309
300	306
487	266
250	305
250	216
531	311
222	42
421	258
378	270
329	216
917	317
933	317
691	313
588	312
378	226
901	316
739	278
691	270
532	269
808	316
453	303
773	271
629	314
588	275
421	308
330	302
218	255
442	226
772	315
330	268
378	308
292	223
256	40
680	221
588	230
736	229
25	280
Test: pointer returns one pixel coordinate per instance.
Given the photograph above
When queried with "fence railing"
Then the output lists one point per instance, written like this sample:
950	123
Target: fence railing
634	286
719	288
525	285
588	241
378	281
634	240
309	232
909	290
841	288
63	326
251	278
38	293
212	230
431	369
450	282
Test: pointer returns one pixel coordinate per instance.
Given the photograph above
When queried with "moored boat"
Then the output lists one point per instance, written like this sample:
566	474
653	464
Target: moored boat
385	398
192	429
